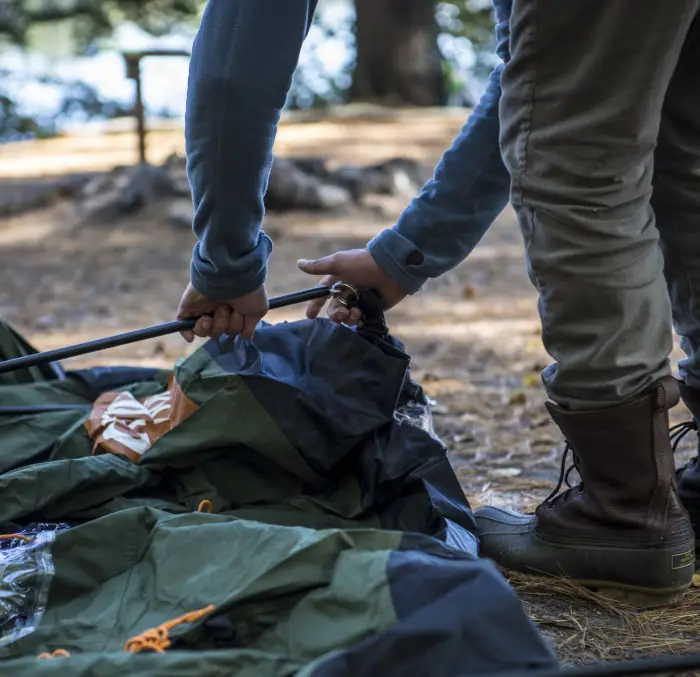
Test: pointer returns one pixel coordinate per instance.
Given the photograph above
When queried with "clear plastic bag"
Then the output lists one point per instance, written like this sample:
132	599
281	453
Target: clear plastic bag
417	414
26	570
414	408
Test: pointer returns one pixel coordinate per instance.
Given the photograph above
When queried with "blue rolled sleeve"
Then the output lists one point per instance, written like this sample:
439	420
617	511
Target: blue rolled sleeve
243	60
469	189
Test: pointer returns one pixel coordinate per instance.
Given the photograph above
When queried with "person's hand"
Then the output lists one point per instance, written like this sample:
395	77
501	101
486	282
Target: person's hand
230	317
355	267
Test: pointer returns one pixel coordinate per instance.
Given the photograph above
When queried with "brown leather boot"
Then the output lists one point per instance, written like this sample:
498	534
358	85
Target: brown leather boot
688	477
622	530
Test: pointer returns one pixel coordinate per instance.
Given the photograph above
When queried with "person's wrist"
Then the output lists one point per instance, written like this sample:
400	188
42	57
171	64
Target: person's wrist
394	260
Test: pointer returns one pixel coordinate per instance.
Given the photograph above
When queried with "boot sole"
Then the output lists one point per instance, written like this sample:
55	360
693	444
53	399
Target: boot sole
629	595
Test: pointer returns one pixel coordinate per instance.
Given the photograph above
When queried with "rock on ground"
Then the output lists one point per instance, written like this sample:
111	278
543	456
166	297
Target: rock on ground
295	184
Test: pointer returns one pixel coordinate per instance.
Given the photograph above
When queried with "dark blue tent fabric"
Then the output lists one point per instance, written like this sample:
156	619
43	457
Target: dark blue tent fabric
368	461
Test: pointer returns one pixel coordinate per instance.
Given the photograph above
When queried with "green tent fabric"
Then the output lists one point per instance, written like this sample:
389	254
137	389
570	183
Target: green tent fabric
339	541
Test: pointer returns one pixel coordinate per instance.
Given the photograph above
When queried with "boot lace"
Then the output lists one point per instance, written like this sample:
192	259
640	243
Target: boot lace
677	433
564	474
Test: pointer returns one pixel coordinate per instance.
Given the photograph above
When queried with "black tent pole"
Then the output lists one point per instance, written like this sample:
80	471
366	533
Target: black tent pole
347	294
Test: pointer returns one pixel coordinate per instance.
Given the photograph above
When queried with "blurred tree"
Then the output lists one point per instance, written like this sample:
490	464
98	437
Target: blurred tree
90	20
76	99
16	126
398	57
468	45
398	61
406	52
411	52
471	19
94	18
471	22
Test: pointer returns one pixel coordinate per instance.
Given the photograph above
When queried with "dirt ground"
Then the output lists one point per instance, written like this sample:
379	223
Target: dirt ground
473	335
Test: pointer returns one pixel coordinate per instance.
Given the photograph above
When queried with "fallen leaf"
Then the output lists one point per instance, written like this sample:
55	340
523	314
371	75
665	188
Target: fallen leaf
532	381
497	473
518	397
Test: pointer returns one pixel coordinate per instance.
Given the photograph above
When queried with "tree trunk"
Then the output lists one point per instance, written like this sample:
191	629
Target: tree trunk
398	60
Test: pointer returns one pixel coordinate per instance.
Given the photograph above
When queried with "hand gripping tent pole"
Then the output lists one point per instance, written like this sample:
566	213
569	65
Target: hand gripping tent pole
344	293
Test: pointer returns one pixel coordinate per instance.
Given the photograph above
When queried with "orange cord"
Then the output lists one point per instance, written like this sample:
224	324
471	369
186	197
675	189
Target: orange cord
58	653
156	639
206	506
9	537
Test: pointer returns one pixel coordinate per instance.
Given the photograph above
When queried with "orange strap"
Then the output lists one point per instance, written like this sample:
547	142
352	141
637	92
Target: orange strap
9	537
206	506
157	639
58	653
